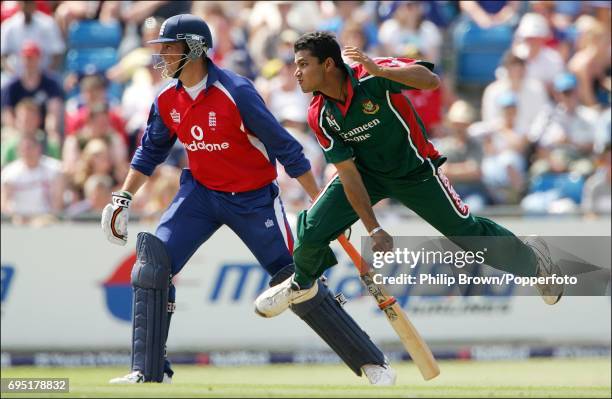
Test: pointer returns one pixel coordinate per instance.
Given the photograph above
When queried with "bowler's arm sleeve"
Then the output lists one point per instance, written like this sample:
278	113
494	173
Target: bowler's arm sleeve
260	121
155	145
391	85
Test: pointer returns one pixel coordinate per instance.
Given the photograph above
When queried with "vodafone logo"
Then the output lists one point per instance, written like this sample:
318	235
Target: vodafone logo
198	144
197	132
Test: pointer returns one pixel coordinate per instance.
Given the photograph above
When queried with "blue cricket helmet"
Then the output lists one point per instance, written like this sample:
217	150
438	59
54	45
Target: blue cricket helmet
190	28
187	27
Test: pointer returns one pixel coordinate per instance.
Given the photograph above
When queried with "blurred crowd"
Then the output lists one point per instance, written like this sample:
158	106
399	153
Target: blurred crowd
536	135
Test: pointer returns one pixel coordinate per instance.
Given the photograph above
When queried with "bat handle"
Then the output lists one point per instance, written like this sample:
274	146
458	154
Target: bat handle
355	256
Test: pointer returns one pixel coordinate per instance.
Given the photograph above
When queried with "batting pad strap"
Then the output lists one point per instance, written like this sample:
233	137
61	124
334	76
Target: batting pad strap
150	280
331	322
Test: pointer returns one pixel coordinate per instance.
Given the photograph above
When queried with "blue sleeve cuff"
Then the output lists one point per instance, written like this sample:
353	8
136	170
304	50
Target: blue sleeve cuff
298	169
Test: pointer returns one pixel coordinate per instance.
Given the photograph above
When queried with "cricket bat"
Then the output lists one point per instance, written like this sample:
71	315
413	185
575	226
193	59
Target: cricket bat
411	340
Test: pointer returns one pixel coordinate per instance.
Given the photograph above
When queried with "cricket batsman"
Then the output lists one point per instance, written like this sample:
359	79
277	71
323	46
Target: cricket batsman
232	144
370	131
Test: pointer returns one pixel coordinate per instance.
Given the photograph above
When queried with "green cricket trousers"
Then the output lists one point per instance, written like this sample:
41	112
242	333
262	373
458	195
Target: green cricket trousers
428	193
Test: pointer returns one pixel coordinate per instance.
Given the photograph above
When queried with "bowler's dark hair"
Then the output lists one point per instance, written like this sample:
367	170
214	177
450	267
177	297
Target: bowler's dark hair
322	45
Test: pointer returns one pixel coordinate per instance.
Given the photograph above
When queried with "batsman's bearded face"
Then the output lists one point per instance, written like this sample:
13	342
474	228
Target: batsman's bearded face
309	72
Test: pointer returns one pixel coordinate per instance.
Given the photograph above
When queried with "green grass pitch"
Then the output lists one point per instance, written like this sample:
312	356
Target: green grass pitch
572	378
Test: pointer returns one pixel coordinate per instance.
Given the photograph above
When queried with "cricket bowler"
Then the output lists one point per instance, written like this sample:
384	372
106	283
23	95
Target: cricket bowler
370	131
232	144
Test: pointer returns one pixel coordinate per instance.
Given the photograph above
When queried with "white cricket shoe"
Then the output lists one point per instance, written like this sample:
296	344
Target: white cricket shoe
136	377
276	300
380	375
545	267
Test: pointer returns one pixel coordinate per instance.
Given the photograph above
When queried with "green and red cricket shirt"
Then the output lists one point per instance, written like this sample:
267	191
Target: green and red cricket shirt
377	125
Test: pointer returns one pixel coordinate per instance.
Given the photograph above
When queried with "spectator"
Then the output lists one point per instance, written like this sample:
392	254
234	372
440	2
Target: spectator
162	190
69	12
132	62
408	27
353	35
300	16
97	126
487	14
137	98
336	13
269	19
559	25
601	10
591	62
567	124
464	155
543	63
441	13
554	187
138	11
504	163
34	83
569	9
27	125
603	131
283	91
131	14
272	67
597	194
10	8
97	189
137	69
92	93
531	94
31	25
32	186
230	50
225	37
96	159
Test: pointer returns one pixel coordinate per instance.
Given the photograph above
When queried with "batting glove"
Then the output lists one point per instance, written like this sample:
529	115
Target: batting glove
115	218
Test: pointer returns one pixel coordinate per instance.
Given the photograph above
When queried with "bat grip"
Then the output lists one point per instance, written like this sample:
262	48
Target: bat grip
358	261
387	303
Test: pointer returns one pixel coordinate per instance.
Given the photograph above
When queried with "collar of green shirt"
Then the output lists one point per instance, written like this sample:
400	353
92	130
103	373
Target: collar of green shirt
351	82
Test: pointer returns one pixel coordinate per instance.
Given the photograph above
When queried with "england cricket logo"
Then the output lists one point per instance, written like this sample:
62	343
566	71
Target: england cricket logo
176	117
212	119
329	117
369	107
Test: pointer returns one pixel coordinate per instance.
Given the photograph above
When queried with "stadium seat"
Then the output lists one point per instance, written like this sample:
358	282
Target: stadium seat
478	51
568	185
94	34
115	91
91	60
